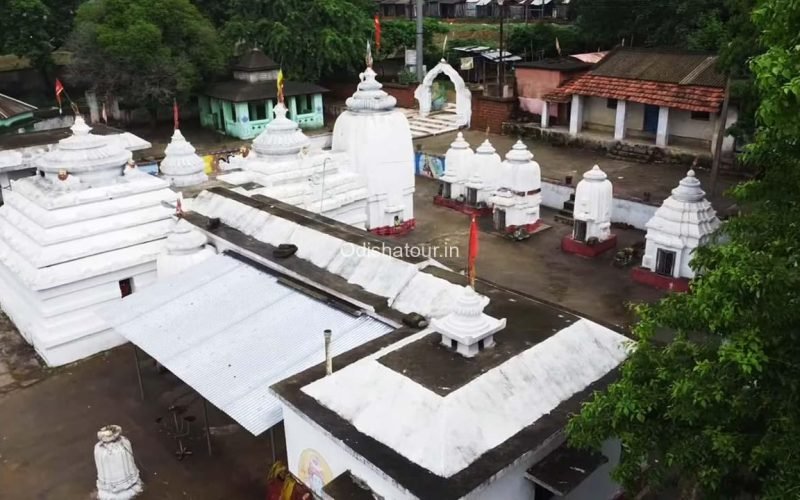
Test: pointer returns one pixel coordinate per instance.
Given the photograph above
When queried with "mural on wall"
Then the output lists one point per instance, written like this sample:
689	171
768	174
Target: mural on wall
429	165
313	470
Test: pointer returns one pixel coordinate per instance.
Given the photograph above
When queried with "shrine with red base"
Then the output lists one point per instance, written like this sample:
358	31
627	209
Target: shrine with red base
647	277
570	245
461	206
396	230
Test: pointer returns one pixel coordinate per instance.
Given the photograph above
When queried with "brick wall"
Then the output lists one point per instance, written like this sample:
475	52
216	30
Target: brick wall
491	112
339	91
403	93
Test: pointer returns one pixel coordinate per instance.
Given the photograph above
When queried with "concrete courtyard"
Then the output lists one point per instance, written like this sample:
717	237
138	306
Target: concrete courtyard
49	418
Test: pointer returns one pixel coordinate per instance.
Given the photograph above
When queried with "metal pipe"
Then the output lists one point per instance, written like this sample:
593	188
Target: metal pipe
208	429
420	41
328	357
502	71
138	371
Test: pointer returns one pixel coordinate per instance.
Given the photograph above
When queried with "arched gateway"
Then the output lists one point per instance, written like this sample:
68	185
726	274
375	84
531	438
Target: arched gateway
463	95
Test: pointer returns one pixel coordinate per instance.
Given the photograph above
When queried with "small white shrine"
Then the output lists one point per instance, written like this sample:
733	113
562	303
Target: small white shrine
117	474
377	139
181	166
516	202
458	163
684	221
467	330
84	231
484	176
185	247
591	230
281	166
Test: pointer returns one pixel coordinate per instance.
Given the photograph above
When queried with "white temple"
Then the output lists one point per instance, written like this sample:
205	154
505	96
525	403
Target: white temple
181	166
484	177
185	247
118	477
458	162
467	329
516	202
280	166
684	221
594	197
85	231
378	141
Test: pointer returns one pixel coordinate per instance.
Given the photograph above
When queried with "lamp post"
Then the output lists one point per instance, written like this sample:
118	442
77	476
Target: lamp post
502	73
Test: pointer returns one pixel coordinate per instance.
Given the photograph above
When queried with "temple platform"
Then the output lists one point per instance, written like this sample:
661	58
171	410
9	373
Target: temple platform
647	277
570	245
398	230
461	206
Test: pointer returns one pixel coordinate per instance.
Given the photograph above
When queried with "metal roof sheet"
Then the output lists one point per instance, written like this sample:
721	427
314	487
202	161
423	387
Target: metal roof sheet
230	331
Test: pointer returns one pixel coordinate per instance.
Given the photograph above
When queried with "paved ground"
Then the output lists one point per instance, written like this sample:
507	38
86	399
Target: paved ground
630	179
47	428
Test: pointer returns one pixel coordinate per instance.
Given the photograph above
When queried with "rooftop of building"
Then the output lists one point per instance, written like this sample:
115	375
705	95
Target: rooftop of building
563	64
661	65
10	107
242	91
255	60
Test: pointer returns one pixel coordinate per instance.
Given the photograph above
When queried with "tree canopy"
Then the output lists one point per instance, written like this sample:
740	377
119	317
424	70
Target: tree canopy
310	38
716	409
145	52
34	28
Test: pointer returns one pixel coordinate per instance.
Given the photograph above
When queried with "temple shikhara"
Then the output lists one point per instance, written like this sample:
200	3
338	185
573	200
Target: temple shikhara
591	232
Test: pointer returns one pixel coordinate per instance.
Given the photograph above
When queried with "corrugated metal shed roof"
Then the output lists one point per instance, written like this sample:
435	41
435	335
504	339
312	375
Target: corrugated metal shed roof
230	331
10	107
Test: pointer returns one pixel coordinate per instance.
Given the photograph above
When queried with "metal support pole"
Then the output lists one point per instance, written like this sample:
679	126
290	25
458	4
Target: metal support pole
420	41
208	429
721	122
502	82
138	371
272	443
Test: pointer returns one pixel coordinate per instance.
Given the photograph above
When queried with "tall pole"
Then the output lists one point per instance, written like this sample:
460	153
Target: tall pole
420	17
717	158
502	72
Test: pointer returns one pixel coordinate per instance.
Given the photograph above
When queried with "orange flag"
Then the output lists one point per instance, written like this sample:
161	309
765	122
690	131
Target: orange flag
377	33
473	251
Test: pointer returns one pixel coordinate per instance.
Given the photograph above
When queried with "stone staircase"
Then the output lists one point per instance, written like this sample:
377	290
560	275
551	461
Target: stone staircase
564	215
435	123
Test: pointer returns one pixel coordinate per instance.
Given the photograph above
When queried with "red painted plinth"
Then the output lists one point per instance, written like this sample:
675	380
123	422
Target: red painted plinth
405	227
528	228
580	248
461	207
647	277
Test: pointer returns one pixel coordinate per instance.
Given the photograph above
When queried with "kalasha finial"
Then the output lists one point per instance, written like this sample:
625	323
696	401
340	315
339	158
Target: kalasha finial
369	54
62	175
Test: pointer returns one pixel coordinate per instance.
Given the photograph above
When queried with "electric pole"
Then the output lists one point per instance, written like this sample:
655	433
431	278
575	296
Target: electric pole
420	17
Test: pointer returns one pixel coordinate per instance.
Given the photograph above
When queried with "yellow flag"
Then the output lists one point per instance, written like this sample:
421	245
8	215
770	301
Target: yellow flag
280	86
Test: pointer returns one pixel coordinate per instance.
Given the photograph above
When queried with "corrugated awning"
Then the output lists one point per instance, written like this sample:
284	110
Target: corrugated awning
230	330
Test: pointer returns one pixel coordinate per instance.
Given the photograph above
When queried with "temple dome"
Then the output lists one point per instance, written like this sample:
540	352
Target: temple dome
185	247
458	159
467	325
181	165
369	96
594	197
485	167
281	137
93	158
525	173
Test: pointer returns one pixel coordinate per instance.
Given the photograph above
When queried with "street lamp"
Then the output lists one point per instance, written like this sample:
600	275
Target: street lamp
502	73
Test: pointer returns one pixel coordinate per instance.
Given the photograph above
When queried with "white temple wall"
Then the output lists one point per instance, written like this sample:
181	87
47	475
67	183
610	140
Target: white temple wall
623	211
599	484
651	252
304	435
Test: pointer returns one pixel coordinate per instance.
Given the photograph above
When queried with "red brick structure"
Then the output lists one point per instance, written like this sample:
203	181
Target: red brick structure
491	112
647	277
570	245
403	93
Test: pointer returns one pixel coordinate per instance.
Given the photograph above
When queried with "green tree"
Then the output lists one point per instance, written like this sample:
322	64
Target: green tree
539	40
716	409
310	38
144	52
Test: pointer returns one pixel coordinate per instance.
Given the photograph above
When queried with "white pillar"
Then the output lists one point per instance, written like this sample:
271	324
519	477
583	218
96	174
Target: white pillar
545	114
619	124
576	115
663	126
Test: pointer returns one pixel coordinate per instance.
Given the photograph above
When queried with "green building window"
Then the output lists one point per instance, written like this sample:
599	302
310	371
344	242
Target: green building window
232	107
258	110
304	104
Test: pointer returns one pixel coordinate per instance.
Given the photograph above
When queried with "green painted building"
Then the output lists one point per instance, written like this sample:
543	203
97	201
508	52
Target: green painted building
14	112
242	107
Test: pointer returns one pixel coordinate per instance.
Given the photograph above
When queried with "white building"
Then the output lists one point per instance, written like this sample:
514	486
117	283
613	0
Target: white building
281	166
83	232
484	177
458	162
377	139
181	166
185	247
472	407
684	221
516	203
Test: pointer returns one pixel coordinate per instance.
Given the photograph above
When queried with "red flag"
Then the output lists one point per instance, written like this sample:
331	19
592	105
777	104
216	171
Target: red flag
178	208
473	251
59	90
377	33
175	114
